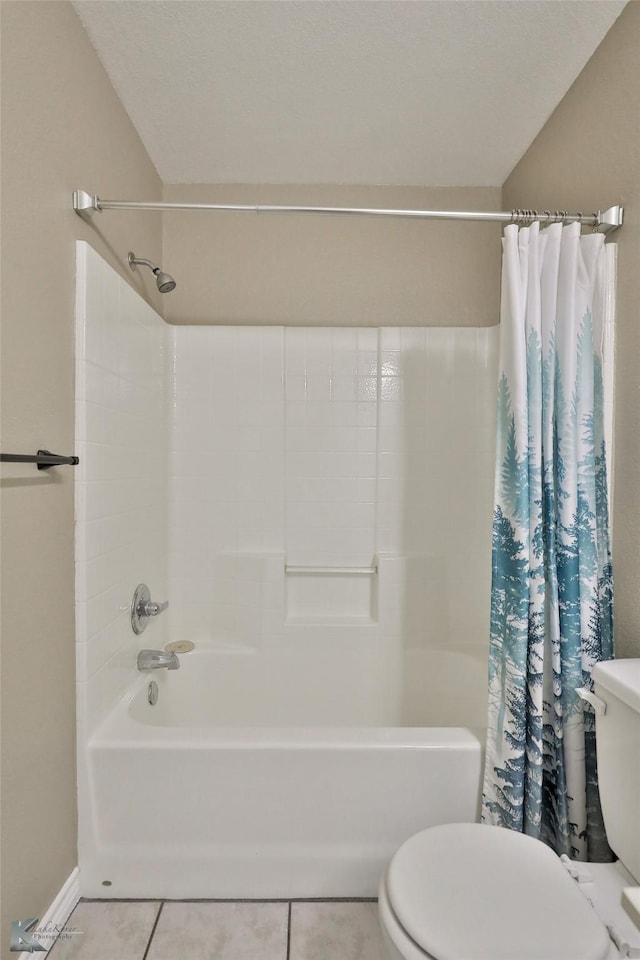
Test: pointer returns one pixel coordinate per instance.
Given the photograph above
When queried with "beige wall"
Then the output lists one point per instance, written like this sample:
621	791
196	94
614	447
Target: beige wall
62	127
243	268
588	155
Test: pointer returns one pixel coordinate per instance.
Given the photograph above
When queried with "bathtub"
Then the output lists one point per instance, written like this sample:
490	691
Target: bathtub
179	800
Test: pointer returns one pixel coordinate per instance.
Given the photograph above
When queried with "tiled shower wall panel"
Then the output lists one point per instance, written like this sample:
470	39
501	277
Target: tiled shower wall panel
435	473
331	413
330	447
227	473
121	480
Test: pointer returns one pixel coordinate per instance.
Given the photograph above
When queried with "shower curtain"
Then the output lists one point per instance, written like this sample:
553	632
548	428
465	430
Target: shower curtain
552	591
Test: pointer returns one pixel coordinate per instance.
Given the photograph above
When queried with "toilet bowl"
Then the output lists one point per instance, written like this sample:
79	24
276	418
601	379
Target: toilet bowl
469	891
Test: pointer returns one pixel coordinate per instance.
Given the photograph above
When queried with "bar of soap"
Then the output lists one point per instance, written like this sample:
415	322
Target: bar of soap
179	646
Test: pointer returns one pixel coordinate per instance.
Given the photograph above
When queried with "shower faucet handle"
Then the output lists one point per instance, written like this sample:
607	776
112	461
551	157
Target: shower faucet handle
149	608
143	607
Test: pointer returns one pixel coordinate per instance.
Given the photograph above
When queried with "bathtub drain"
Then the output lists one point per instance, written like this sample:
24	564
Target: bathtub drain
152	693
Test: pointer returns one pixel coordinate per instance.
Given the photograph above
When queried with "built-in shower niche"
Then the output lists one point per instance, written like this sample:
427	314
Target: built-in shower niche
331	594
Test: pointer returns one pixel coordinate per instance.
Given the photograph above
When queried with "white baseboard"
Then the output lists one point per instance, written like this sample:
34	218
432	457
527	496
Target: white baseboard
57	914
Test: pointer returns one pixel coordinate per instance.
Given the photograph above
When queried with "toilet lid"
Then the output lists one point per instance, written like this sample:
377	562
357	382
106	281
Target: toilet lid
467	891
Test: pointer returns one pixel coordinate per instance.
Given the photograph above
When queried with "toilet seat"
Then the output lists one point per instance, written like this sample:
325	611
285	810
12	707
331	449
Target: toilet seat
469	891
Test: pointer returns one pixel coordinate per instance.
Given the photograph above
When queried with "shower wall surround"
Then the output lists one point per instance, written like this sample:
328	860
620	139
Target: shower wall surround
121	480
346	450
218	464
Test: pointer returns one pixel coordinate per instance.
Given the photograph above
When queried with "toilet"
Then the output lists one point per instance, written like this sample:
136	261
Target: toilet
468	891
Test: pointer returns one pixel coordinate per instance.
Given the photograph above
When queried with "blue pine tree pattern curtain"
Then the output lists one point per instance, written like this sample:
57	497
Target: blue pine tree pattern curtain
552	590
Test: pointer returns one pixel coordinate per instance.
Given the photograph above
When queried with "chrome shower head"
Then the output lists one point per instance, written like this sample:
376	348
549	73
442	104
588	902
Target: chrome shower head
164	281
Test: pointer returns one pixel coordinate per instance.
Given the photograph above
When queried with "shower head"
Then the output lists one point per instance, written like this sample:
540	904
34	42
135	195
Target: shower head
164	281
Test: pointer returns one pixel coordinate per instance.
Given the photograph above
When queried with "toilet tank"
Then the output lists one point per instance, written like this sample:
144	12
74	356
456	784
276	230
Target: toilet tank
617	682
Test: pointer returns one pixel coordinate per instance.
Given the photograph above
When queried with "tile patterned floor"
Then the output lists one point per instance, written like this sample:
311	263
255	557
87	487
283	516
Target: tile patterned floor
222	930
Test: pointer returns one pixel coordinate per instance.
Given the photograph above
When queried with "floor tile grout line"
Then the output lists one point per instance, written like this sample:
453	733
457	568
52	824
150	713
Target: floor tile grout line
144	955
289	931
229	900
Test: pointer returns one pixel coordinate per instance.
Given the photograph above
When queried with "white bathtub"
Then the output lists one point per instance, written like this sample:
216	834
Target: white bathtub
180	801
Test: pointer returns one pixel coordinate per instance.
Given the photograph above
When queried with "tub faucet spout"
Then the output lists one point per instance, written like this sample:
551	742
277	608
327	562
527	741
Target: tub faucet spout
156	659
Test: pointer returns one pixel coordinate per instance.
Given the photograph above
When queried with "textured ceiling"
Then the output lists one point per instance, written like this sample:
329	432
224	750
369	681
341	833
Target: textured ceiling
342	91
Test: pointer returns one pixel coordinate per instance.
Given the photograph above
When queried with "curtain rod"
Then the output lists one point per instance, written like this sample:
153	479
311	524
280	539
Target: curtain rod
86	205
